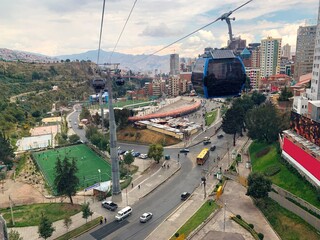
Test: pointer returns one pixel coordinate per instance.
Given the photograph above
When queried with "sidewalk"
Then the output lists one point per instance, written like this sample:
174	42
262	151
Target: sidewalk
145	177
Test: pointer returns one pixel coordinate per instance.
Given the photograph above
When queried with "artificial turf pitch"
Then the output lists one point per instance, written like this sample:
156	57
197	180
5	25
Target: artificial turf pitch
88	163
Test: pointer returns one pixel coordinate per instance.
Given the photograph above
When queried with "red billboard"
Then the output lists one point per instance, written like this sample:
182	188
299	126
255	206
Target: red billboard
307	161
305	127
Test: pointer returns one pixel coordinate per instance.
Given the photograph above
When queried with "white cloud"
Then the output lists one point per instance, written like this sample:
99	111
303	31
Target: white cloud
56	27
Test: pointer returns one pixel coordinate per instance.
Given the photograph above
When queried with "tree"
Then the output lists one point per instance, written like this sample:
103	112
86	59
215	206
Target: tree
6	151
74	138
156	152
232	121
45	228
67	221
121	117
264	123
86	211
96	119
246	103
285	94
258	185
14	235
66	181
258	98
128	158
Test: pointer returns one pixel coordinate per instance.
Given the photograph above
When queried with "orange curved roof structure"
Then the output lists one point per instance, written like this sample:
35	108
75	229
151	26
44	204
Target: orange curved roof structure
175	113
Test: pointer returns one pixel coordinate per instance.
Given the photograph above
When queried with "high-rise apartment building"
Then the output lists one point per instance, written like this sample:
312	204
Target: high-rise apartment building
255	54
174	89
254	75
314	93
174	64
286	51
304	51
270	53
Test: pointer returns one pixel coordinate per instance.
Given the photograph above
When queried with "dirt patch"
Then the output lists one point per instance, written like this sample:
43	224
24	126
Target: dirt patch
145	136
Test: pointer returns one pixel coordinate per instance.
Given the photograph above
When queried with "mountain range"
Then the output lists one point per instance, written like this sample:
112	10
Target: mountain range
141	63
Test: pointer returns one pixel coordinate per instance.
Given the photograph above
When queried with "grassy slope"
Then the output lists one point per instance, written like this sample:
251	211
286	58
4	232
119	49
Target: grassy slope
284	178
29	215
287	224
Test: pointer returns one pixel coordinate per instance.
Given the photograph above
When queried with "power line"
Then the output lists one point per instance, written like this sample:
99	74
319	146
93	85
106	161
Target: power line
124	26
188	35
101	27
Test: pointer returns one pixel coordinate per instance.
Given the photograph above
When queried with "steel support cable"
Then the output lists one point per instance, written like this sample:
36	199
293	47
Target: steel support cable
195	31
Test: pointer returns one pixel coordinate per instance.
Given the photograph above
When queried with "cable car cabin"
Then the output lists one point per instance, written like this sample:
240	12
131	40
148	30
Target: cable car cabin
218	73
98	84
203	156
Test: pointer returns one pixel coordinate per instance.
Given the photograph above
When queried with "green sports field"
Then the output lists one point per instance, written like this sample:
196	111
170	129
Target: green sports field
88	163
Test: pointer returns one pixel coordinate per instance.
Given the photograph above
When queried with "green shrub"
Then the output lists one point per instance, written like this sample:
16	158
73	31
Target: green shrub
261	236
238	216
272	170
262	152
251	225
176	234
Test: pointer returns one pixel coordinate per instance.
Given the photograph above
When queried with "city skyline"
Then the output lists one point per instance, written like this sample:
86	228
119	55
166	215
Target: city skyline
58	27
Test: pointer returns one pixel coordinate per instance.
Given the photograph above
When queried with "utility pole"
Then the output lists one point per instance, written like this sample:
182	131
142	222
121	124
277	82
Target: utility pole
224	217
101	106
99	85
116	188
12	219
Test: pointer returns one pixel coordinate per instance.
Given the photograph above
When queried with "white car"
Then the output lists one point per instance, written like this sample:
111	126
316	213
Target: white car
145	217
143	156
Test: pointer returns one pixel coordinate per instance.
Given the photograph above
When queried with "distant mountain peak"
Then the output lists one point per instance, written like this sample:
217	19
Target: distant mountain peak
133	62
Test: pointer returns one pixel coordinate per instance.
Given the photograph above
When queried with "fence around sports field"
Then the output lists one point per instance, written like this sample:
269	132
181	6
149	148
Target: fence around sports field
88	163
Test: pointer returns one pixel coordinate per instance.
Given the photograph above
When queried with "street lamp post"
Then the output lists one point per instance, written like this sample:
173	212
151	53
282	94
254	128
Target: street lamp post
203	180
99	183
99	176
224	217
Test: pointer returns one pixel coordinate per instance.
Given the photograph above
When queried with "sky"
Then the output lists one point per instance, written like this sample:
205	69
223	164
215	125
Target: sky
61	27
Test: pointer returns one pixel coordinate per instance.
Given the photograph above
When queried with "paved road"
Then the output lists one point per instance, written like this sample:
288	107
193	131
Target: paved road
167	197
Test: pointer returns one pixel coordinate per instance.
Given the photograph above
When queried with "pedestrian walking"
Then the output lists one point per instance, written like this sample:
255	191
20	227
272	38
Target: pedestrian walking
178	155
105	220
139	186
131	185
101	220
168	166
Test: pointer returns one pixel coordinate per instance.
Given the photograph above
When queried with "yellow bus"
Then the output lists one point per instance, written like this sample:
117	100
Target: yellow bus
203	156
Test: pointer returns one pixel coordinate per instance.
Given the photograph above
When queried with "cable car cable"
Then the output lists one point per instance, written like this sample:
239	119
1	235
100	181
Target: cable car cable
219	18
122	30
101	27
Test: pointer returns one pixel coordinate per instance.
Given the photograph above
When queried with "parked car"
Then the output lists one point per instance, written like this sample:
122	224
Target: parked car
121	152
220	136
135	154
213	147
184	150
185	195
109	205
143	156
206	142
145	217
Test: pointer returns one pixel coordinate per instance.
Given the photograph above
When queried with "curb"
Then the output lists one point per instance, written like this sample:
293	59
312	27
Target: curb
174	213
162	182
203	224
